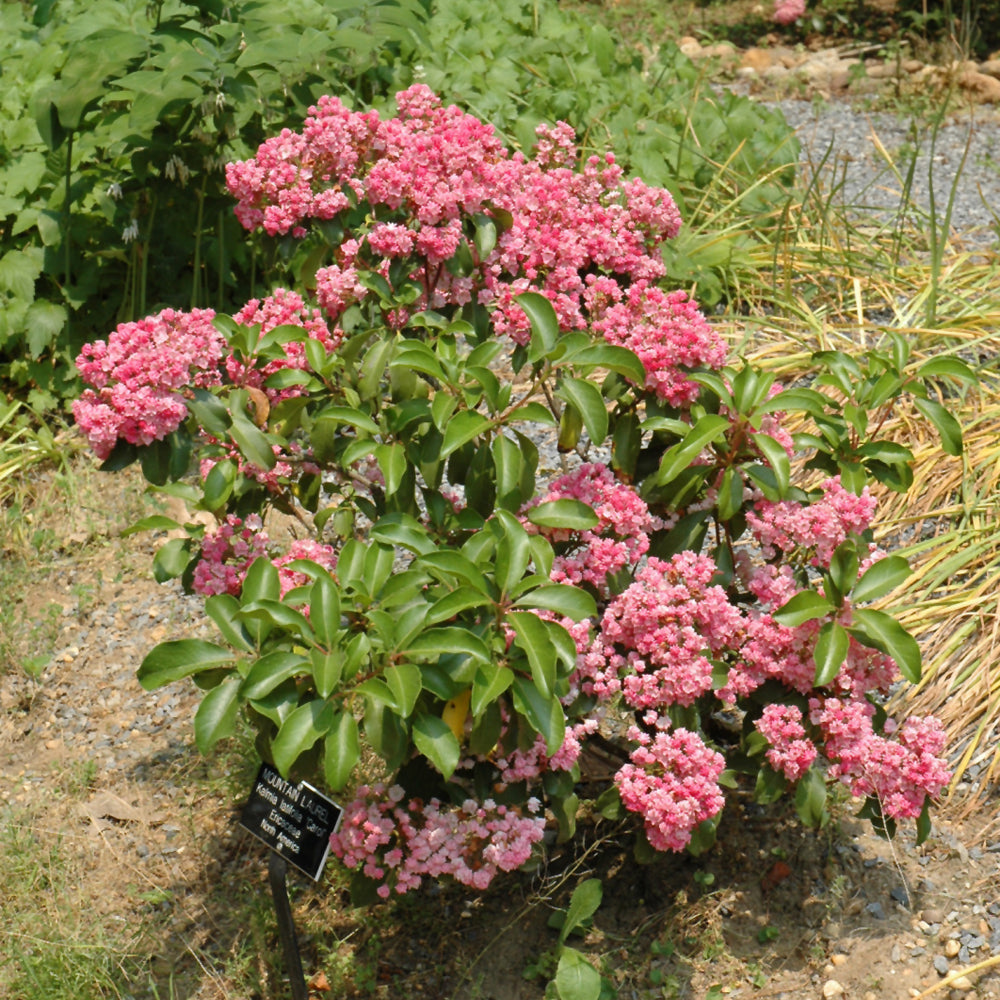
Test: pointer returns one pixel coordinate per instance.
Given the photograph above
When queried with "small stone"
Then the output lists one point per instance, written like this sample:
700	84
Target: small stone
941	965
875	910
952	947
899	894
831	988
838	959
962	984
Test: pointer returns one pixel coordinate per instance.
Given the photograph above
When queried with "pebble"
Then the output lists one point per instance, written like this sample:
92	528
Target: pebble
941	966
875	910
952	948
831	988
962	984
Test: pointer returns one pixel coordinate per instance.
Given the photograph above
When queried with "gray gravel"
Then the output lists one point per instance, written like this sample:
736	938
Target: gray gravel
855	163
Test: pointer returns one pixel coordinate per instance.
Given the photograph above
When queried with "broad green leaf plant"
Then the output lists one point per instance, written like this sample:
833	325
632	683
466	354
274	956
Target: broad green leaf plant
529	502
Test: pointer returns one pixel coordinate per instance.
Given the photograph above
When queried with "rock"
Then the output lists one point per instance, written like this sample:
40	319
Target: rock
980	87
990	68
757	59
875	910
932	915
962	984
912	65
691	47
831	988
838	959
881	71
952	947
941	966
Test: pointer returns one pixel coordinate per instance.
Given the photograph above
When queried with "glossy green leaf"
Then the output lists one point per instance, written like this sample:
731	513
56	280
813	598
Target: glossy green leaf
568	514
405	684
490	682
677	458
589	403
810	799
434	739
223	609
341	751
946	367
271	670
170	661
777	459
544	324
216	716
561	598
249	438
803	607
324	609
533	640
327	670
944	422
171	559
544	714
883	632
299	733
881	577
513	551
448	639
830	651
461	429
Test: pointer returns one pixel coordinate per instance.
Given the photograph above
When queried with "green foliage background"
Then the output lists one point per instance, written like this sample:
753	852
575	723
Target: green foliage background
118	116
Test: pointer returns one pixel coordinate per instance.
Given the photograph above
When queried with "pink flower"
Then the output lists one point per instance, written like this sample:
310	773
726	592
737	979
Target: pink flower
788	11
140	376
790	752
672	784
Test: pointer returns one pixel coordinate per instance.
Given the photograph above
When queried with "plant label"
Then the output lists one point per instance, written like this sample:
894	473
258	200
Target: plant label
296	821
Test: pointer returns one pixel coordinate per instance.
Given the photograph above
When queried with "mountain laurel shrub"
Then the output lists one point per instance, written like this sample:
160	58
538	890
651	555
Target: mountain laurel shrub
534	505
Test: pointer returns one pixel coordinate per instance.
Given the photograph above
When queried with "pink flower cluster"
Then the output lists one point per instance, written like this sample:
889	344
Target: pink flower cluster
900	773
788	11
140	375
586	238
399	843
672	783
226	555
820	526
657	638
281	308
790	752
620	537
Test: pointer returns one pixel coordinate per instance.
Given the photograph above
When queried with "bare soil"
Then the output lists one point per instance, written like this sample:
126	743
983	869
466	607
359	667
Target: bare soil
151	863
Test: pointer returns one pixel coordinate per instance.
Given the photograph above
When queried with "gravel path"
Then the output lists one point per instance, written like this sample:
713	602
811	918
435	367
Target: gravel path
855	161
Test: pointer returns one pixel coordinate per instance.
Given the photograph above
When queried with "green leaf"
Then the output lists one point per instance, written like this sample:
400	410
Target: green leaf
544	714
447	640
561	598
803	607
583	905
462	429
455	602
810	799
327	670
171	559
544	324
844	568
434	739
613	358
324	609
567	514
249	438
342	750
513	551
405	684
777	459
880	578
490	682
576	978
676	459
170	661
832	645
391	460
884	633
403	530
586	398
222	609
533	639
270	671
951	367
216	716
945	423
299	732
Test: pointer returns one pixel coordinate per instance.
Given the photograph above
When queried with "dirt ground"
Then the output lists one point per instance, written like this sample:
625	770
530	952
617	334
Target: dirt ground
105	774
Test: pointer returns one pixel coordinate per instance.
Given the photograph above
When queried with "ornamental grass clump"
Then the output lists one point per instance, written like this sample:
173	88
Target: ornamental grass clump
693	589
